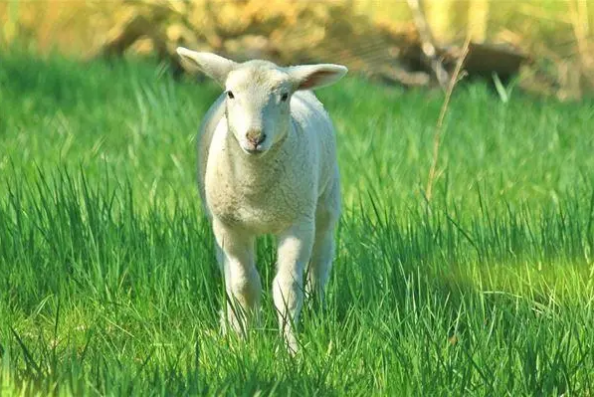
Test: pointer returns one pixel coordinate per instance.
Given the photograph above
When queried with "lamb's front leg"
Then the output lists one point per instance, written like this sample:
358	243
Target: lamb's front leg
294	250
236	256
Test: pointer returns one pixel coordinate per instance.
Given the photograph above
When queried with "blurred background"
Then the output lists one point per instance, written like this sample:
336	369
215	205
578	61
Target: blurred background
545	47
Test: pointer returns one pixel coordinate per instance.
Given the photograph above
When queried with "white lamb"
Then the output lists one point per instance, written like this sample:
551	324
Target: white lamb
267	165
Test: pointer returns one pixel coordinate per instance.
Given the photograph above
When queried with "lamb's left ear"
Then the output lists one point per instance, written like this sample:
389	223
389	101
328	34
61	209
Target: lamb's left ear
309	77
214	66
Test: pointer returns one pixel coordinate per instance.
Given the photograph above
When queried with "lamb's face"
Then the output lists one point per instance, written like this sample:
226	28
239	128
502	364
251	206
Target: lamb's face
258	96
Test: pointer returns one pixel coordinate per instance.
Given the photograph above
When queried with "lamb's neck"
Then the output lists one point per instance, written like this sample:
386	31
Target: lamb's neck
253	172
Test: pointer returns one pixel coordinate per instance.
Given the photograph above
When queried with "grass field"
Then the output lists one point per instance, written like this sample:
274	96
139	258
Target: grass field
108	281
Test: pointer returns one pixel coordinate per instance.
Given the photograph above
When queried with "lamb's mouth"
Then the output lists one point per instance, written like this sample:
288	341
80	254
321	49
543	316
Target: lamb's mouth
254	151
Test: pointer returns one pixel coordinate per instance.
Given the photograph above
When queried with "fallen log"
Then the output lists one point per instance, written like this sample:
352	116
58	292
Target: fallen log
484	60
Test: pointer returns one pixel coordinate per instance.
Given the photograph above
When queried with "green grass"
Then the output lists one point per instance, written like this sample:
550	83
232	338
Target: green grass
108	281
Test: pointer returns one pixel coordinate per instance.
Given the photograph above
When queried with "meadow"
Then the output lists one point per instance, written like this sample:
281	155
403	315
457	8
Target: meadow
108	281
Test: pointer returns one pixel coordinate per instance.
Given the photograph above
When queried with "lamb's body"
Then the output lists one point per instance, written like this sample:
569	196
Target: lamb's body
267	165
268	195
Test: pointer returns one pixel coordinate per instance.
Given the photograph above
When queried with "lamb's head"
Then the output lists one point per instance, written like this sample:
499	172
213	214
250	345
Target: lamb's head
258	94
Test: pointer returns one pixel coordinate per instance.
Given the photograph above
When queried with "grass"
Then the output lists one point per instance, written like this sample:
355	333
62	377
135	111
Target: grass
108	282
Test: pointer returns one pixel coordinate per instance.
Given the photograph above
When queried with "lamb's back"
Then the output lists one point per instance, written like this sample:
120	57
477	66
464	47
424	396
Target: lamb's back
313	120
206	131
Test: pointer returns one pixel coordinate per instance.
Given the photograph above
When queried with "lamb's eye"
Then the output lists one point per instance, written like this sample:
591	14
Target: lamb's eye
284	96
230	95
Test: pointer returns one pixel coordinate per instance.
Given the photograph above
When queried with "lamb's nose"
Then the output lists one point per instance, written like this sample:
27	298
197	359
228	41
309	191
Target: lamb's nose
255	137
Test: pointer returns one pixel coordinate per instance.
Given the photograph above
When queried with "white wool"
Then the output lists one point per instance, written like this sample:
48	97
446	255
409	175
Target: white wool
267	165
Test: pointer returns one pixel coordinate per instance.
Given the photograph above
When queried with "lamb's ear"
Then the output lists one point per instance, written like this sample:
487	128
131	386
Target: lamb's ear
214	66
309	77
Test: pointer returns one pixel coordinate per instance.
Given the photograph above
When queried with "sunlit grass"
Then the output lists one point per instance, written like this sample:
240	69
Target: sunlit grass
108	282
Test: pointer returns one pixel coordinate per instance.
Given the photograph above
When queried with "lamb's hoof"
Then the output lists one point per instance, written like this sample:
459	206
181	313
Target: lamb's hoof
223	323
230	324
291	344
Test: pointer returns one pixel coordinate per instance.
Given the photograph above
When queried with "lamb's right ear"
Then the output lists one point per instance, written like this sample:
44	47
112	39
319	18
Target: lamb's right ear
309	77
212	65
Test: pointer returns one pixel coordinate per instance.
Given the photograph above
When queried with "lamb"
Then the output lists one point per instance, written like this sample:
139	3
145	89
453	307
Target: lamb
267	165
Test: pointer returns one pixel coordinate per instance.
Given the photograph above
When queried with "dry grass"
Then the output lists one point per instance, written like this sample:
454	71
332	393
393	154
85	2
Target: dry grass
454	78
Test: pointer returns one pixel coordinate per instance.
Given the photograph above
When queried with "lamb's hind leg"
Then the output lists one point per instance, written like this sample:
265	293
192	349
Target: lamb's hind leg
321	262
236	256
323	250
